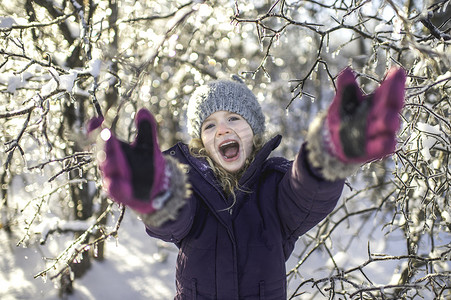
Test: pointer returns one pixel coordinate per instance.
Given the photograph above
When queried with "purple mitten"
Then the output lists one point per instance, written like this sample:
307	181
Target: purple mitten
94	123
134	174
362	127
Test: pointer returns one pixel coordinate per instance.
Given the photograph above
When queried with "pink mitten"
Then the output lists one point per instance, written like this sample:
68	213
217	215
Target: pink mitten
134	174
362	127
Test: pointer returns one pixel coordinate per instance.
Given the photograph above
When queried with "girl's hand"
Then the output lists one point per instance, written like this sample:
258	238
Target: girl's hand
363	128
134	174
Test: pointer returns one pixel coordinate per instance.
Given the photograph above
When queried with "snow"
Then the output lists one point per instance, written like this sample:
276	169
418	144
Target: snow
383	27
7	22
15	81
446	216
428	138
95	67
429	128
62	82
49	87
136	266
133	268
67	81
139	267
444	78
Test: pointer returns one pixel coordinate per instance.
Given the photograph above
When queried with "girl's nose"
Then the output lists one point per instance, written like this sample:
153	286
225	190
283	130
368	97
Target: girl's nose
222	129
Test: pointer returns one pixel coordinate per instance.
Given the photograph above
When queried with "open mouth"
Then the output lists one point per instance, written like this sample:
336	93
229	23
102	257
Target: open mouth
229	149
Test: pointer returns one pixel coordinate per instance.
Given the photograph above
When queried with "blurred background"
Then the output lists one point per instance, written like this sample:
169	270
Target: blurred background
63	62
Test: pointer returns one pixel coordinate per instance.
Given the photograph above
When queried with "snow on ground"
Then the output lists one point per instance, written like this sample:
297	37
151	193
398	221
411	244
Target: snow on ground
139	267
132	269
136	267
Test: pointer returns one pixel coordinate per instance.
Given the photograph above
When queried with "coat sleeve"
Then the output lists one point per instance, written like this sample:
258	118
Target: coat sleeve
173	221
175	230
305	198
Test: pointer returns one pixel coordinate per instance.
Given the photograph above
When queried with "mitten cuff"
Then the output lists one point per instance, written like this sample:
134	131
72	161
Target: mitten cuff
320	154
171	201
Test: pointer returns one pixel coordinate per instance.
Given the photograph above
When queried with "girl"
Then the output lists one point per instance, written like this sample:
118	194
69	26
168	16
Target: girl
233	212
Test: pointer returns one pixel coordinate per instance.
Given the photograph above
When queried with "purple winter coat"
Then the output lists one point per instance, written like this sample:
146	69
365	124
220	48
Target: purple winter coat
241	253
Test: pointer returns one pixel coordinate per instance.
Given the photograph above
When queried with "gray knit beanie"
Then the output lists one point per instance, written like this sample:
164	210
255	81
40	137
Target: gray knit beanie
229	95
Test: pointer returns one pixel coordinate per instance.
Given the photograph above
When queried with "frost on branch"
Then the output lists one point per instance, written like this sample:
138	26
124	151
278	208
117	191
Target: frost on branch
64	62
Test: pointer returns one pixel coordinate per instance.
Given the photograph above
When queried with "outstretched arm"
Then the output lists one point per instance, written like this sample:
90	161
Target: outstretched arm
139	176
357	128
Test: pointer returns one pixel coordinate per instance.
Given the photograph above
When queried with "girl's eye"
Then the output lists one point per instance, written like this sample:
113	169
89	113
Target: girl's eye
208	126
234	118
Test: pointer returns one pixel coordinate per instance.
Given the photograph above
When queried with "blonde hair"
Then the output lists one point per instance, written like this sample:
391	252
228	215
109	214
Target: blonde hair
228	181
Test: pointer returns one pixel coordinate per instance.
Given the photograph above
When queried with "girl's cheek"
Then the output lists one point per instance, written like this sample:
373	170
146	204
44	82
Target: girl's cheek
208	142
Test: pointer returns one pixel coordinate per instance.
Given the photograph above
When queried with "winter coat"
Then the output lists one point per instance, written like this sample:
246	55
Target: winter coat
240	253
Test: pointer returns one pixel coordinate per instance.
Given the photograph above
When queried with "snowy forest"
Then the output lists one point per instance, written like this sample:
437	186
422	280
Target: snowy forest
64	62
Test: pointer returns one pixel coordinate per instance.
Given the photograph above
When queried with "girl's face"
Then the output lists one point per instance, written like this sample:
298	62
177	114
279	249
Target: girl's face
228	139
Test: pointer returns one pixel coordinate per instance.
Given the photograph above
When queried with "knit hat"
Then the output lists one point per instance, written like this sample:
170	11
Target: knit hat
228	95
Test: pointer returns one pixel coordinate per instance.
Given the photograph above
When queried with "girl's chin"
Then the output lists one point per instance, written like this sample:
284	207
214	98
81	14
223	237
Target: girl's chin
232	167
